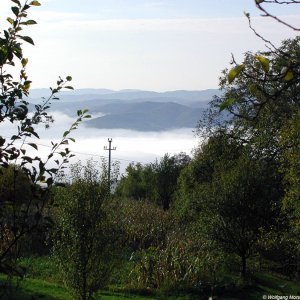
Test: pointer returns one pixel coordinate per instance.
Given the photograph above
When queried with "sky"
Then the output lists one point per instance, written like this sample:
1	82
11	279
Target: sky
155	45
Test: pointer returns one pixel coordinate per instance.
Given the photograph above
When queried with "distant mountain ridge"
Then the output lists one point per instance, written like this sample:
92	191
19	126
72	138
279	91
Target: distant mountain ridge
133	109
147	116
201	95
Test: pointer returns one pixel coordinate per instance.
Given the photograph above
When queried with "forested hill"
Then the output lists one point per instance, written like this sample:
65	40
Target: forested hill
147	116
133	109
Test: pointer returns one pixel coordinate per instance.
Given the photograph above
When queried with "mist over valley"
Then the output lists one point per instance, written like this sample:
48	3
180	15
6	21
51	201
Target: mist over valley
144	125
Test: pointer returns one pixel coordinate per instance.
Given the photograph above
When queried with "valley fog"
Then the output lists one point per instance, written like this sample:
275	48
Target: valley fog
131	146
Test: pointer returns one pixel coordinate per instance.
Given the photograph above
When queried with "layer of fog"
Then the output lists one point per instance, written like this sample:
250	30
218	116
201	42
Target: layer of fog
131	146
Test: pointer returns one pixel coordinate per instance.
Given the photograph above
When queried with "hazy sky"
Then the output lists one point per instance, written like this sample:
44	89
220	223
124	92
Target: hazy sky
154	45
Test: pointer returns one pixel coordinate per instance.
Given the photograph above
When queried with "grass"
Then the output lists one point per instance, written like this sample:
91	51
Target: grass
32	289
42	283
37	289
276	285
265	284
40	267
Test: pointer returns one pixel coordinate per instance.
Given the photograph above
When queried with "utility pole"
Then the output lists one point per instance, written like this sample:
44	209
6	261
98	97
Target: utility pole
109	159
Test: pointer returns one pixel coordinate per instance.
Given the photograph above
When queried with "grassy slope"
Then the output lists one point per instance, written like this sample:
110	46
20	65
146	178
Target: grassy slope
46	286
266	284
40	289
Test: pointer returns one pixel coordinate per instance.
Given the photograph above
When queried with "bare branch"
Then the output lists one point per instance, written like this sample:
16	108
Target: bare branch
259	35
282	2
268	14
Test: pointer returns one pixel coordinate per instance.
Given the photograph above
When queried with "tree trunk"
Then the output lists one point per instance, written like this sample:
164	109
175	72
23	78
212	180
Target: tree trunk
244	266
166	204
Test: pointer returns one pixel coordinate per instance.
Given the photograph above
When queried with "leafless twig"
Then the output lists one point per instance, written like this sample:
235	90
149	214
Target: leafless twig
268	14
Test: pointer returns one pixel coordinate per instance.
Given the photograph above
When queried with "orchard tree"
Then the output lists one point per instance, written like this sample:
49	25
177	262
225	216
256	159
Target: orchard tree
83	238
20	217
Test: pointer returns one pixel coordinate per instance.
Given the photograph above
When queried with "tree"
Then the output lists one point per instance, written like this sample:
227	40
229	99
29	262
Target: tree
290	167
156	182
13	185
25	215
233	195
166	174
260	108
261	102
83	235
137	183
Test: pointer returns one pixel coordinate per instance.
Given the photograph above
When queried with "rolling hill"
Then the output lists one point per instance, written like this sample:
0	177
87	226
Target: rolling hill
133	109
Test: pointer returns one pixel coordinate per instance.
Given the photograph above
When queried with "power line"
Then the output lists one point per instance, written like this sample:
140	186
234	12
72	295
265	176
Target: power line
89	154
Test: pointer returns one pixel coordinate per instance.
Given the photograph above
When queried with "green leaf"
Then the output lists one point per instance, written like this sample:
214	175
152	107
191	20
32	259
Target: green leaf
27	39
35	3
227	103
69	78
49	181
259	1
24	62
33	146
2	141
72	139
27	158
17	2
66	133
42	178
264	62
25	7
15	10
288	76
69	87
29	22
233	73
10	20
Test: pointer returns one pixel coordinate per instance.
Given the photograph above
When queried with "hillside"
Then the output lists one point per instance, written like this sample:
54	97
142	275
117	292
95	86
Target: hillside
147	116
133	109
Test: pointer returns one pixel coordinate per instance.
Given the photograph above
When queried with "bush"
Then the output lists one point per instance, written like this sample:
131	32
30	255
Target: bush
83	233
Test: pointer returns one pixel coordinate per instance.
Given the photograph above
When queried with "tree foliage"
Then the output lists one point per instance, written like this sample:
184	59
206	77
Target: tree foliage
156	182
232	194
259	109
25	214
83	234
